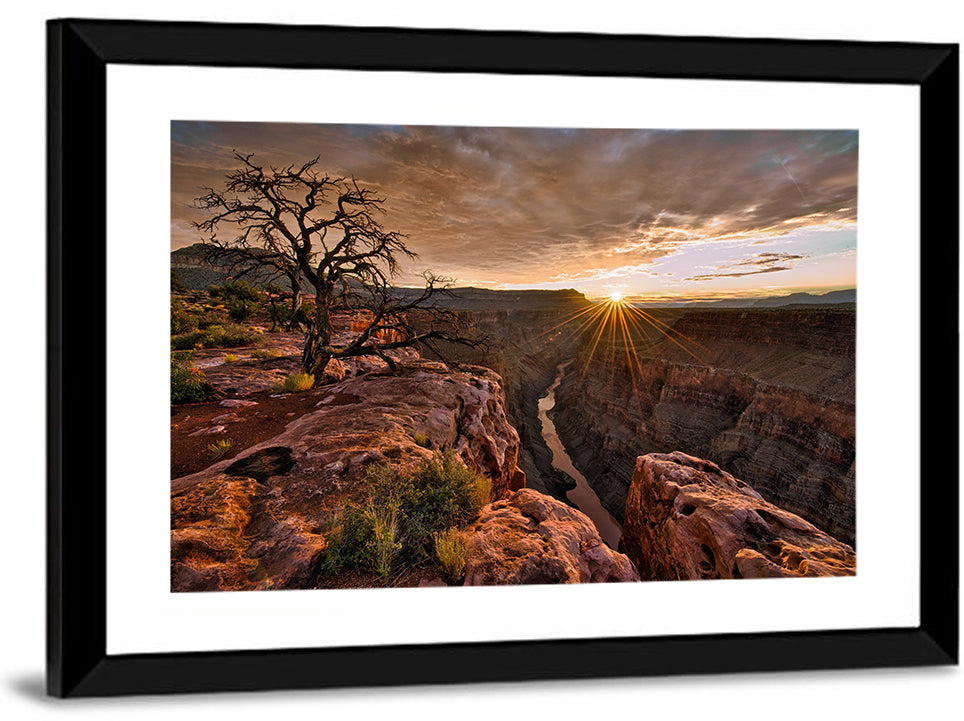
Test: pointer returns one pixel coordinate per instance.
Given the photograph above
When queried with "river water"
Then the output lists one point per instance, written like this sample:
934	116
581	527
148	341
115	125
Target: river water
582	496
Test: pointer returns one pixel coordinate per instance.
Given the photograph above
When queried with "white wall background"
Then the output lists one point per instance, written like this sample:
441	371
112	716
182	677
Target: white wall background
921	693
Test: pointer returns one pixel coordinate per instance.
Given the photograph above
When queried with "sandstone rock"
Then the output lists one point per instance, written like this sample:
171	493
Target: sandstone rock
227	418
303	473
223	537
210	431
236	403
688	519
530	538
432	583
334	372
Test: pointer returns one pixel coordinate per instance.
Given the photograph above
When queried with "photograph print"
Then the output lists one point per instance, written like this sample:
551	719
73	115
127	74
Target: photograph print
420	356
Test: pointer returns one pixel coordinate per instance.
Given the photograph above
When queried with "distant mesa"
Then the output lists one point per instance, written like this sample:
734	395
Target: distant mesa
196	272
846	297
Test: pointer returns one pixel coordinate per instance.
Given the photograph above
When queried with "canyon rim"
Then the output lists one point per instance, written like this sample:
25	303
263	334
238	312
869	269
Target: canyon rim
442	356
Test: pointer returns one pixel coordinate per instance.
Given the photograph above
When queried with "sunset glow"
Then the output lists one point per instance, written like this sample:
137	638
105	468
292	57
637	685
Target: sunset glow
664	215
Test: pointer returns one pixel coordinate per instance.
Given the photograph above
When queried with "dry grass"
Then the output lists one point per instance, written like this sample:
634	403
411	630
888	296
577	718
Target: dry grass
450	547
298	382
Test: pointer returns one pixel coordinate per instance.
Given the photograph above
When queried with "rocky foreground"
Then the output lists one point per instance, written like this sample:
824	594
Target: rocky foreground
257	520
687	519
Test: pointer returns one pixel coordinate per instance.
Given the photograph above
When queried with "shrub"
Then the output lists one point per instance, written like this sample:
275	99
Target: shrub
443	492
450	548
231	358
240	309
279	314
239	290
215	336
235	335
421	440
220	448
188	384
266	354
298	382
182	322
383	543
209	318
176	285
403	512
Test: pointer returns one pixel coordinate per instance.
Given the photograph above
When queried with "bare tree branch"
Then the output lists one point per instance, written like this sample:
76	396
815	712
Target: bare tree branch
305	225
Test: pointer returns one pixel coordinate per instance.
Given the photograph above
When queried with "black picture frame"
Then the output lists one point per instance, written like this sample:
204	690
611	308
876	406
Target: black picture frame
79	52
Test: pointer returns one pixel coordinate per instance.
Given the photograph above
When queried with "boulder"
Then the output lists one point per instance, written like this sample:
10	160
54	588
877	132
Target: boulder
688	519
531	538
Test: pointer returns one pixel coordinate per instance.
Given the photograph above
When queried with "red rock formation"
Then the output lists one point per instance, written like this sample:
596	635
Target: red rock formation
530	538
770	398
223	537
254	521
687	519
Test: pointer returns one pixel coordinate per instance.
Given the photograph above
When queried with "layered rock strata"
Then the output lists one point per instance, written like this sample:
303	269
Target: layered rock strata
530	538
255	521
524	346
767	395
687	519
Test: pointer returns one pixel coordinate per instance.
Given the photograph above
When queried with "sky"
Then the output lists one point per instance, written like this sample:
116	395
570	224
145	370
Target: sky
655	215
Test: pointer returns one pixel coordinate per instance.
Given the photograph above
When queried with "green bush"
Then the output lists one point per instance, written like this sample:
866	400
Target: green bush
235	335
182	322
209	318
239	290
240	309
215	336
176	285
188	384
402	512
279	314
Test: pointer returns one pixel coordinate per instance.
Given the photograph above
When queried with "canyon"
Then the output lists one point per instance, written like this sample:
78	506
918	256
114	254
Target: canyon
721	439
768	395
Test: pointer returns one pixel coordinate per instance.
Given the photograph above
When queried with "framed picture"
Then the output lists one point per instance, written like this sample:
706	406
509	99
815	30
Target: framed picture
632	204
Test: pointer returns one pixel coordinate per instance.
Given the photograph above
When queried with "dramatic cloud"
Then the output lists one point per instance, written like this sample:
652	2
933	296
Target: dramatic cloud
517	206
760	263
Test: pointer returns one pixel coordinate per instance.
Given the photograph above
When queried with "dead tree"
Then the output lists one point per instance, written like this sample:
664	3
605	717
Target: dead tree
326	230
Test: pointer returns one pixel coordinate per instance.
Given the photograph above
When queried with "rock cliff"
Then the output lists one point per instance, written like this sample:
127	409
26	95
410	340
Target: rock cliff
687	519
766	394
530	538
255	521
524	346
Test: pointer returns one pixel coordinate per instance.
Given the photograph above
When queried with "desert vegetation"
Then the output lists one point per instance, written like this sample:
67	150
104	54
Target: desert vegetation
407	518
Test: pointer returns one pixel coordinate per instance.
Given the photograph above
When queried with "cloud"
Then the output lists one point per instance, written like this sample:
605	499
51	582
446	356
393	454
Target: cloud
760	263
531	204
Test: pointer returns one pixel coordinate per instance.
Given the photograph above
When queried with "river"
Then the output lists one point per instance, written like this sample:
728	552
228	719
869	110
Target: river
582	496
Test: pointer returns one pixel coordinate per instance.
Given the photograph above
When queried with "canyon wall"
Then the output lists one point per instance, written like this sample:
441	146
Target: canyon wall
524	345
768	395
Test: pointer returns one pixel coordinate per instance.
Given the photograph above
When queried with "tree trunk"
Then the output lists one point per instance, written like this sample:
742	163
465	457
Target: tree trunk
318	351
294	321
